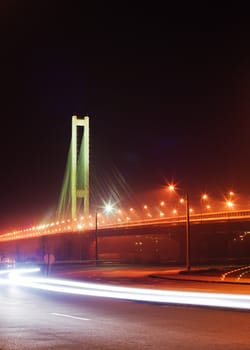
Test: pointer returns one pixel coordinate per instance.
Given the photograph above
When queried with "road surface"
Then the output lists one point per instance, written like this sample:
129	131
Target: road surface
38	319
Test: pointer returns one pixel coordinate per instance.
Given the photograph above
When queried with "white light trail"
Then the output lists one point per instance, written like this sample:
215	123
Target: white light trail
70	316
240	301
4	272
15	273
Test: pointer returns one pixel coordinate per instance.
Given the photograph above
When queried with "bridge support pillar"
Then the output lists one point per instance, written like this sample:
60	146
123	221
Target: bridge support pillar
80	167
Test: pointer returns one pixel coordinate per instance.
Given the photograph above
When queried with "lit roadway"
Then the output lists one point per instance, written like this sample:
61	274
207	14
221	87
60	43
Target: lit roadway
32	318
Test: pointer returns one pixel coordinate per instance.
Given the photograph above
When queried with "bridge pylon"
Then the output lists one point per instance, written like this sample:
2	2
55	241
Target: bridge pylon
74	196
80	166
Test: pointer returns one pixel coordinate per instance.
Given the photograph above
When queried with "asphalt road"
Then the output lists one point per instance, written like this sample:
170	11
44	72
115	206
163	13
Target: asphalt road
35	319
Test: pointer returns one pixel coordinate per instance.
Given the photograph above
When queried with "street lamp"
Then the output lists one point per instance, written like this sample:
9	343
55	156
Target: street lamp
96	237
188	264
204	197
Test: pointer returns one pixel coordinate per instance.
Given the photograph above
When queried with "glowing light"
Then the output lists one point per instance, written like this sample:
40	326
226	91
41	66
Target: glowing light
162	203
239	301
145	206
204	196
171	187
13	274
182	200
109	207
229	204
231	272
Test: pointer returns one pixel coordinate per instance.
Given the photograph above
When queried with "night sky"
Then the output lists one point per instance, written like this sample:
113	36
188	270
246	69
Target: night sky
167	93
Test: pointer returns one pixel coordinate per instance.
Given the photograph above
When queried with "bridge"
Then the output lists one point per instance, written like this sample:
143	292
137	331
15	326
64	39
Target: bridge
79	212
117	222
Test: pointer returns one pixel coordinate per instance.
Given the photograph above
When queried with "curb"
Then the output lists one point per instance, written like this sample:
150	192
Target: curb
177	278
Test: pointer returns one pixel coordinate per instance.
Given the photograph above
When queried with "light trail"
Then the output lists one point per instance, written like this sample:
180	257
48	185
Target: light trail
70	316
17	272
238	301
241	271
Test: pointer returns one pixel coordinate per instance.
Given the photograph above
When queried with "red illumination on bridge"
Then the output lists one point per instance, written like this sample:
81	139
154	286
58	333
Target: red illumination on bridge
81	225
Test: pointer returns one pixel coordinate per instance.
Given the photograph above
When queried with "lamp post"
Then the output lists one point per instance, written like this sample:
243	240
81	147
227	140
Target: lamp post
204	197
96	238
108	208
188	264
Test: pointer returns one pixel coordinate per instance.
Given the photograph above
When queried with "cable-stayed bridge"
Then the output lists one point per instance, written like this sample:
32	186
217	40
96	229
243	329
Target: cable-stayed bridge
92	199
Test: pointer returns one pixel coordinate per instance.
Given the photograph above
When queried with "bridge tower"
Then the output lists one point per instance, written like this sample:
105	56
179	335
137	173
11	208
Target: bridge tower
80	166
74	196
